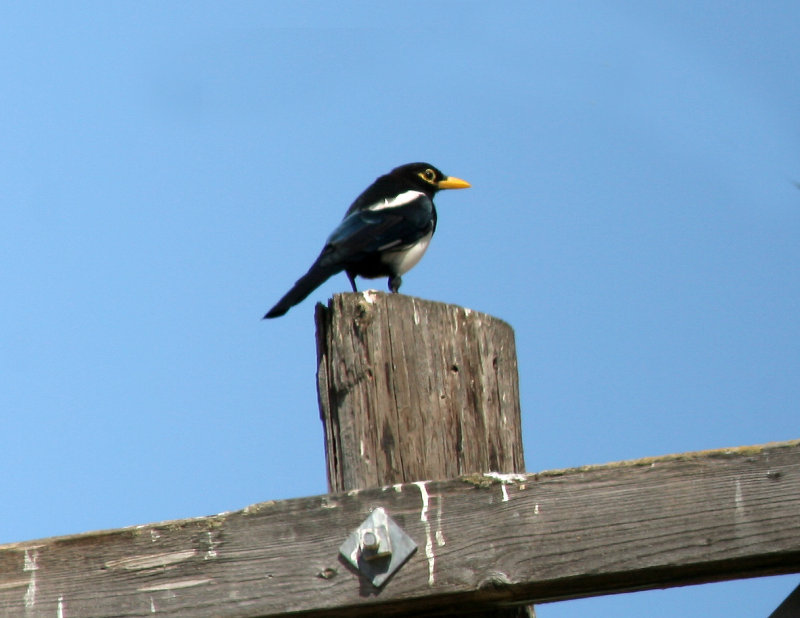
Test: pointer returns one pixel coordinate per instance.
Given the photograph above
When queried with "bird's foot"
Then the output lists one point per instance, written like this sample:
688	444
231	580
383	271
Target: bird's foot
352	279
394	283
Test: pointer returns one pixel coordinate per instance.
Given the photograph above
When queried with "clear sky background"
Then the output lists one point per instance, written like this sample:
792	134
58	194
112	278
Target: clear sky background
169	169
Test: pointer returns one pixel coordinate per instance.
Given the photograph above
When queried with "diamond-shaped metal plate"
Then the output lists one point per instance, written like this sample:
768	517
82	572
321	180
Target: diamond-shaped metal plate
378	568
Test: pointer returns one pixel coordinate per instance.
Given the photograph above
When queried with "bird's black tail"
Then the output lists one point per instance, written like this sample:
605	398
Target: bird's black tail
316	276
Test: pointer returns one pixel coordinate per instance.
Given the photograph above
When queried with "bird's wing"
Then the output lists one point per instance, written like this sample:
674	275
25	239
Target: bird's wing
368	231
360	233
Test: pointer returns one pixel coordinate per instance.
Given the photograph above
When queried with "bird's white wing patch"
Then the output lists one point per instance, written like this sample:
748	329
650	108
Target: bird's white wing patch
398	200
388	245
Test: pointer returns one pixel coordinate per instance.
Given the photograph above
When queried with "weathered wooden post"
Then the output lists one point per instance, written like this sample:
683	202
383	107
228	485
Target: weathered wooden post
413	390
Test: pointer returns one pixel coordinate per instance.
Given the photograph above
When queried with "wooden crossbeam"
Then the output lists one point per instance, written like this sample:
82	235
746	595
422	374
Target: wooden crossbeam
484	541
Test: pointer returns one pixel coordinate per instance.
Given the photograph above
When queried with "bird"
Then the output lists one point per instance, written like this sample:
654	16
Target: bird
384	233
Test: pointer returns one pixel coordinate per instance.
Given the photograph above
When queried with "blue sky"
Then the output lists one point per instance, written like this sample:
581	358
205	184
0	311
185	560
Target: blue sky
169	169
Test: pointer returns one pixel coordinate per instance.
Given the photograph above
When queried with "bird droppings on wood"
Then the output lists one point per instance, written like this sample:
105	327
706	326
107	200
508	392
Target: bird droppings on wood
211	552
488	479
423	517
30	560
369	296
507	479
31	565
495	478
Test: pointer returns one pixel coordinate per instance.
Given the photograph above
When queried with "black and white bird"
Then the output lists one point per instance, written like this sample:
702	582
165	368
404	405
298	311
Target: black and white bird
383	234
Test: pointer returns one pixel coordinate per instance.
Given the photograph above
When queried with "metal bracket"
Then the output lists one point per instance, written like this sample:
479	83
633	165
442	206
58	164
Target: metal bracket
378	547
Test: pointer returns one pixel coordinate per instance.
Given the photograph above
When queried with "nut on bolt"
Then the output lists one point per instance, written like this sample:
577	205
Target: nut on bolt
378	547
369	541
374	541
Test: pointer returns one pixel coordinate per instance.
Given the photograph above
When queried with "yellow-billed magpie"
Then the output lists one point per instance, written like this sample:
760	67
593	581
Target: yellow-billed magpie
383	234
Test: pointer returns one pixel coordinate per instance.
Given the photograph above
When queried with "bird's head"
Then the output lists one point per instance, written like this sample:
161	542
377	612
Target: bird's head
428	178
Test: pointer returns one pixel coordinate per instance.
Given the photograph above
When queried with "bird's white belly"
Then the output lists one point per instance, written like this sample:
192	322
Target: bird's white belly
405	259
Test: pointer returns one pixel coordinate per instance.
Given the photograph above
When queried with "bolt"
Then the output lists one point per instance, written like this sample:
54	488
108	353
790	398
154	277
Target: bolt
369	540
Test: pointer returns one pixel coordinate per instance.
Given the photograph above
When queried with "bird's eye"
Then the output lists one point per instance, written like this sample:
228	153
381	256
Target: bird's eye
428	175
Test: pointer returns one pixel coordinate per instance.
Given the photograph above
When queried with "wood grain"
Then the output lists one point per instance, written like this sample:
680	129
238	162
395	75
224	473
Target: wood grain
412	389
484	542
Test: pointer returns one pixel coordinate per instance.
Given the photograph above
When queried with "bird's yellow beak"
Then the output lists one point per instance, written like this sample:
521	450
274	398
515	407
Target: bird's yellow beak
453	183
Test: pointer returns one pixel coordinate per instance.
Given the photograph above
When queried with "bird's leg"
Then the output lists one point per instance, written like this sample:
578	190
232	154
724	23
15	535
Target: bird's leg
352	278
394	283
